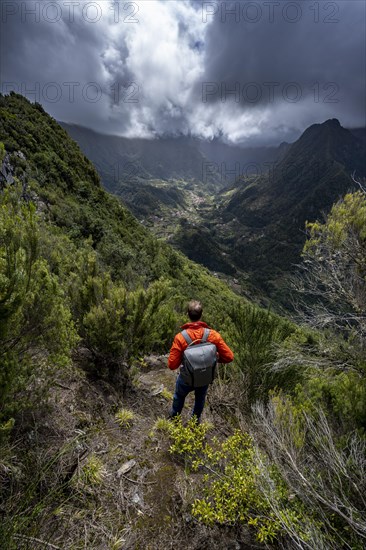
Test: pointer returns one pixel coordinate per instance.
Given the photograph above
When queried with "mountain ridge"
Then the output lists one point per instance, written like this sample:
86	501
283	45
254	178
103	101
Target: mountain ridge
269	213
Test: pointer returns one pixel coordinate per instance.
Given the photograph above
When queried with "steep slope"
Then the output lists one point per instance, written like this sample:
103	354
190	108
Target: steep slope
170	184
88	463
67	189
264	218
128	166
66	459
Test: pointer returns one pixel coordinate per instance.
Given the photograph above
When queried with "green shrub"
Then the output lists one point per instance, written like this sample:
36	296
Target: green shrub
324	471
128	324
256	333
187	441
232	485
302	487
2	152
342	396
36	330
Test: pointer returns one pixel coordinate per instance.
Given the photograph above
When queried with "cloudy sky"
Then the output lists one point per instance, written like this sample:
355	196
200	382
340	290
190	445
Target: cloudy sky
252	72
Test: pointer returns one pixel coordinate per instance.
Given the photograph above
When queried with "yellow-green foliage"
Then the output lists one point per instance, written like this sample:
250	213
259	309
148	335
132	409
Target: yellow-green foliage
162	425
116	543
188	440
231	493
2	152
166	394
124	418
93	472
232	486
347	216
6	427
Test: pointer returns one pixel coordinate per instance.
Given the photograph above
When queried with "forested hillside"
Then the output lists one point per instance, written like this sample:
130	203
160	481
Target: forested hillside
89	303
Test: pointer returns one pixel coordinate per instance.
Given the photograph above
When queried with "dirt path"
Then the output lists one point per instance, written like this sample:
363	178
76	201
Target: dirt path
105	486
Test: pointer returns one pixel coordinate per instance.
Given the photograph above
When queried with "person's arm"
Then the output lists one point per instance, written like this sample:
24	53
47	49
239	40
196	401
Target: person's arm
225	353
175	355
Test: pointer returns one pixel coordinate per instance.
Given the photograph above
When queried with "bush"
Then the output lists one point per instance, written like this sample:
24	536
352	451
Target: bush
125	324
326	475
334	270
36	330
301	488
231	487
255	333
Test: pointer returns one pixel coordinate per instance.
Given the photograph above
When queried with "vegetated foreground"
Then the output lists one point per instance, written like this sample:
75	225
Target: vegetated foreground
89	303
104	475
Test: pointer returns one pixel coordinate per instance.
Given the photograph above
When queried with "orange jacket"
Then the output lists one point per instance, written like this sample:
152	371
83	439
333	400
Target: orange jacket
195	331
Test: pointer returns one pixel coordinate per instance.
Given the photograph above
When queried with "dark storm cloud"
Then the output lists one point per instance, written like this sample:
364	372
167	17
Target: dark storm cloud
289	64
259	71
66	64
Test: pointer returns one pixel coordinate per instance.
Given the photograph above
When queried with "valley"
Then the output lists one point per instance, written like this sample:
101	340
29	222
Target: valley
249	229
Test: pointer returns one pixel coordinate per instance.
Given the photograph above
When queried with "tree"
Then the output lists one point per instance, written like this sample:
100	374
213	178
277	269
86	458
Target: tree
334	270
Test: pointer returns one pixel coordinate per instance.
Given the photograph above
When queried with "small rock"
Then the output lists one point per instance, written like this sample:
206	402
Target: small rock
158	390
155	361
136	499
126	467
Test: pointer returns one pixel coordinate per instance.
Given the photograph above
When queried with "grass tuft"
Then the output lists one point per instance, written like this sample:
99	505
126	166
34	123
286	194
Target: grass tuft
124	418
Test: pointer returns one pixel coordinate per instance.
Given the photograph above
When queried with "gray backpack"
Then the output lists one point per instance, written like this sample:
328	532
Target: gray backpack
199	361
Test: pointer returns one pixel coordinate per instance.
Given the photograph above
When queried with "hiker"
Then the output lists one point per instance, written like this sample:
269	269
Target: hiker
197	364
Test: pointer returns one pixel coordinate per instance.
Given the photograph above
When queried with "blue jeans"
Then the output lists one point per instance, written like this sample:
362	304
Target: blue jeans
181	391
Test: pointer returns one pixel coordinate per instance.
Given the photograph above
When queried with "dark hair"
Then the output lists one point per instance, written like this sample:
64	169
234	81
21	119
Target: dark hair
194	310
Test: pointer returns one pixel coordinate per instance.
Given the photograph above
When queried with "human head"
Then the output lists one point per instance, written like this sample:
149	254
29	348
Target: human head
194	310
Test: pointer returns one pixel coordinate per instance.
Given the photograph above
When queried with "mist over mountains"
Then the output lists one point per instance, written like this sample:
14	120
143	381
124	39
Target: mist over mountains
211	162
268	214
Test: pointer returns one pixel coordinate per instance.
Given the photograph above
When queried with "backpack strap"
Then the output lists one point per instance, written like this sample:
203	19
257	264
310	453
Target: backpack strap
189	340
186	336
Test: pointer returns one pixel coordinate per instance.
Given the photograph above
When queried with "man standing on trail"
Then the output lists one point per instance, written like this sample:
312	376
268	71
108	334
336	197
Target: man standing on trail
189	379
